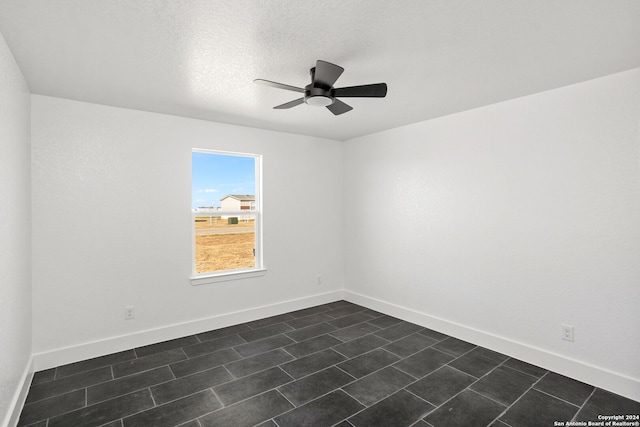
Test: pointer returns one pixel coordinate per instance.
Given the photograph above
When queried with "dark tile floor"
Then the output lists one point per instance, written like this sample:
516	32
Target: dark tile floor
337	364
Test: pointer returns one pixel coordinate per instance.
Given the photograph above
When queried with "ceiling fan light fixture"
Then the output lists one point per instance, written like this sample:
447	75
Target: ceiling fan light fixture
319	101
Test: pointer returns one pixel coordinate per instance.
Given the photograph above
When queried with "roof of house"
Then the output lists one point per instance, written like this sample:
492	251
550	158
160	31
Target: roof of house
241	197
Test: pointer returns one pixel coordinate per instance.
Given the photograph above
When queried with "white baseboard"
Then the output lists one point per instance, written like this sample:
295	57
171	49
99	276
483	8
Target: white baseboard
20	396
594	375
88	350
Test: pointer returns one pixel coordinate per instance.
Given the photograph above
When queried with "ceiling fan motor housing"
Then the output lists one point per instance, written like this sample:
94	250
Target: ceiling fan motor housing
317	96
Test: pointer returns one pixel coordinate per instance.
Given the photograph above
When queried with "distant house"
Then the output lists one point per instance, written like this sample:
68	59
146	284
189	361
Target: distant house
238	202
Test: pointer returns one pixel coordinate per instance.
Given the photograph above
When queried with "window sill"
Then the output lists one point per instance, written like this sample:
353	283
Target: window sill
205	279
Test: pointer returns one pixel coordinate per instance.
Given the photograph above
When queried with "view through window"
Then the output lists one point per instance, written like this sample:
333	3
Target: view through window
226	211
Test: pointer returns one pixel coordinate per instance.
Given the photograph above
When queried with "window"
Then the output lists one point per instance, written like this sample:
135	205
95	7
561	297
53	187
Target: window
226	215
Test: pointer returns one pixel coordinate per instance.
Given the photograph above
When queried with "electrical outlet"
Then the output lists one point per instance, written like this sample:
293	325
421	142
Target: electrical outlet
129	312
319	280
567	332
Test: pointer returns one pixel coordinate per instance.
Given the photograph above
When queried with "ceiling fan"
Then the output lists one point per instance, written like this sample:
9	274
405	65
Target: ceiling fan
322	93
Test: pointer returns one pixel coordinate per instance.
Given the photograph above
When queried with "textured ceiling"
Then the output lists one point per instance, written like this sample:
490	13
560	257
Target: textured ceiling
199	58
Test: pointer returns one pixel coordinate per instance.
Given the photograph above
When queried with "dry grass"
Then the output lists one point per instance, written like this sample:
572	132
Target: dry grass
218	252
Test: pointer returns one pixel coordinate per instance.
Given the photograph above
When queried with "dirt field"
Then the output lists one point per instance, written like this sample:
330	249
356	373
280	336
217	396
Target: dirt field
224	251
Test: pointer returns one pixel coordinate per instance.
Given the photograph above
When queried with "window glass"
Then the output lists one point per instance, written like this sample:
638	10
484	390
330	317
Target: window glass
226	214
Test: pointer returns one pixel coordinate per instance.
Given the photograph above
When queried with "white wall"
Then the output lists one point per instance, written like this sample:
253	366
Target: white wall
112	224
503	222
15	233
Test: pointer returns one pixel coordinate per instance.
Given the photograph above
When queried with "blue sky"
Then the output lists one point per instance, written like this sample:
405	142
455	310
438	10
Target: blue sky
213	176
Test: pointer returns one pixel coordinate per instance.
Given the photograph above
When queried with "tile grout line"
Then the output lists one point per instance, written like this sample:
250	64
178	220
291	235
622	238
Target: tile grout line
217	398
352	396
402	388
76	389
507	406
519	397
463	372
421	398
467	387
285	397
227	370
584	403
308	402
235	351
153	399
247	376
520	370
561	399
87	406
242	401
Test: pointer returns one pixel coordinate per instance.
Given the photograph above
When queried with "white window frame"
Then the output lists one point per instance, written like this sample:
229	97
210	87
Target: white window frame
238	273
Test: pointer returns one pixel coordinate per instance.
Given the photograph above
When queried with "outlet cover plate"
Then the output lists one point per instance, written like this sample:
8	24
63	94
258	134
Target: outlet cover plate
567	333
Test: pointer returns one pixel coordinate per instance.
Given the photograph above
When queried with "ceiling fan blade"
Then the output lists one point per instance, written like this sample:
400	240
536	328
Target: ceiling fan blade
278	85
376	90
289	104
339	107
326	73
